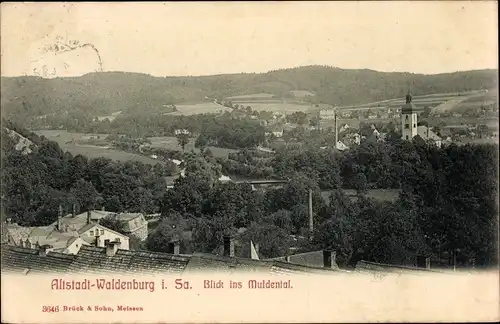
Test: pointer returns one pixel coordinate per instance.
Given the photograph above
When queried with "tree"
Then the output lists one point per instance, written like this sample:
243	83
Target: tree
85	195
171	229
183	140
423	123
360	183
426	113
273	241
201	142
113	222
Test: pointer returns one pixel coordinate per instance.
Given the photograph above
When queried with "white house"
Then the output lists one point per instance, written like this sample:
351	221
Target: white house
224	178
429	136
181	131
100	236
67	234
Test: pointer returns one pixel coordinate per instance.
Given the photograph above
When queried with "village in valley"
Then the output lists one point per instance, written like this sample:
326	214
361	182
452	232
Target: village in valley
168	148
292	194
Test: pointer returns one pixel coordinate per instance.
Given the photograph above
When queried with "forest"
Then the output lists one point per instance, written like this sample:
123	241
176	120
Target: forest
448	201
104	93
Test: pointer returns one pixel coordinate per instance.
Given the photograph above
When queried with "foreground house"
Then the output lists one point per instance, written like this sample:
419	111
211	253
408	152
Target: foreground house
113	259
67	235
134	224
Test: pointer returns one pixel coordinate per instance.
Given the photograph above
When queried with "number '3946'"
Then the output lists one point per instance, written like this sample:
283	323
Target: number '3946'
50	309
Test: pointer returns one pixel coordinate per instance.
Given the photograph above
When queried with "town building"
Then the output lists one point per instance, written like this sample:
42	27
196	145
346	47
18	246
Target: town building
113	259
276	132
134	224
410	128
429	136
409	119
181	131
67	235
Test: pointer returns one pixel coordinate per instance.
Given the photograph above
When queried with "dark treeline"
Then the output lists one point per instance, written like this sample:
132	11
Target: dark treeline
370	165
223	131
34	185
105	93
448	202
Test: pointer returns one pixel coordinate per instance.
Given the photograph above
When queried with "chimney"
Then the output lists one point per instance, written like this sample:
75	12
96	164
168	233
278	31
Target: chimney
175	247
103	208
44	249
59	218
111	248
329	259
311	221
423	262
336	130
228	246
254	251
89	216
74	210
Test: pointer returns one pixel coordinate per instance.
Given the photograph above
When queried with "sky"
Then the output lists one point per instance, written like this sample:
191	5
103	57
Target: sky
203	38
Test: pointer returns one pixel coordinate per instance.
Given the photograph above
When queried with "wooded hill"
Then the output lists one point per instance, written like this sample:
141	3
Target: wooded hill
103	93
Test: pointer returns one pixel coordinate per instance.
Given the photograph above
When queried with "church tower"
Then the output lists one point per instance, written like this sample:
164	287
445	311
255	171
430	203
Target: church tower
408	119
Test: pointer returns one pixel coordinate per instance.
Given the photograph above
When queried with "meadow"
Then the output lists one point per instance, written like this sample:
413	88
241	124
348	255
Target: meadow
276	106
450	99
201	108
171	143
69	142
66	142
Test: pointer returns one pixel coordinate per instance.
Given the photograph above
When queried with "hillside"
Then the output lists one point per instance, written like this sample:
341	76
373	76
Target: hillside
108	92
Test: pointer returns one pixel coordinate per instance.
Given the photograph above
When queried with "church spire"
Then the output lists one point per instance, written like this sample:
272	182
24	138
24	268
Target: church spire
408	96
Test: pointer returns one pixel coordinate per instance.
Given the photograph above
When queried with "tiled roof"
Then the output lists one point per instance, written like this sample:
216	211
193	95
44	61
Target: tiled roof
206	261
380	267
80	220
426	133
94	259
128	216
312	259
18	233
86	228
90	259
18	259
91	225
132	221
279	267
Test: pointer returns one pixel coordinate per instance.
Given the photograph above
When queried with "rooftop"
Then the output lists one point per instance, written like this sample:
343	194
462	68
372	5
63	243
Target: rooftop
95	260
380	267
18	259
78	221
426	133
91	259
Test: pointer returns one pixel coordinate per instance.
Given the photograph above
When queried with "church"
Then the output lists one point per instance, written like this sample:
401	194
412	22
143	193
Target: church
409	124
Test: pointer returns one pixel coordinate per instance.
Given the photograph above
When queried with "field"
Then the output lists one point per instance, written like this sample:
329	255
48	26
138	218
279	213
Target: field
110	117
251	97
202	108
63	137
171	143
276	106
447	101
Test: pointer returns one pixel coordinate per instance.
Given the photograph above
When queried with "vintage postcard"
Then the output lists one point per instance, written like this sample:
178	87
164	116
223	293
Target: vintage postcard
249	162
